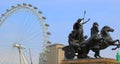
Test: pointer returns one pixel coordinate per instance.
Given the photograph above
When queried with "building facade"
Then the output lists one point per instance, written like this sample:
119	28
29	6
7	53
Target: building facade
55	54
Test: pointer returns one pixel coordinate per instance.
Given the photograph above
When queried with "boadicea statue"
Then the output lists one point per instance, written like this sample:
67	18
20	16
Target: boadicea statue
80	44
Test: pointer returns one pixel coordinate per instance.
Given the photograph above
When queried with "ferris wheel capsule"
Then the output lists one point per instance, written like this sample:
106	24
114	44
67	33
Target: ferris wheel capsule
49	42
40	12
29	5
47	25
24	4
13	6
48	33
35	8
44	18
3	14
7	10
18	5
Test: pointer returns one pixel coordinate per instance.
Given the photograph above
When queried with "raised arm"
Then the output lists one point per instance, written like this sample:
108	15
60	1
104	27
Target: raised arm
86	21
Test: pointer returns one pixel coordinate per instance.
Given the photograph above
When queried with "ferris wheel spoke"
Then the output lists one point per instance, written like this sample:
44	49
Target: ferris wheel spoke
30	37
27	31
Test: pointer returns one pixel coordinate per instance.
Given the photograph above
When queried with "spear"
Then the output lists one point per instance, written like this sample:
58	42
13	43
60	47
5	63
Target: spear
84	15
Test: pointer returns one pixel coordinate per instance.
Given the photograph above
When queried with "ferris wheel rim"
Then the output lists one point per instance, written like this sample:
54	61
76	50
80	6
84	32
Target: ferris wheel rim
18	7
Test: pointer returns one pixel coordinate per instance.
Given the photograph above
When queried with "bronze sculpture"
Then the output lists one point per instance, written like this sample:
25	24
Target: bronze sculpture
107	41
96	42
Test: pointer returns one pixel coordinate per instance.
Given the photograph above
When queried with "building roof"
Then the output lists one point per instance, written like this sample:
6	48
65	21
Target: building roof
56	44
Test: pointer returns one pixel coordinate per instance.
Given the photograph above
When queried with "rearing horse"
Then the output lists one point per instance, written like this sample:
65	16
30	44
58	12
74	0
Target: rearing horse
105	42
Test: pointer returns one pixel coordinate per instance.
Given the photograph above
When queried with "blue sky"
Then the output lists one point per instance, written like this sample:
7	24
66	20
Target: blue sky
62	14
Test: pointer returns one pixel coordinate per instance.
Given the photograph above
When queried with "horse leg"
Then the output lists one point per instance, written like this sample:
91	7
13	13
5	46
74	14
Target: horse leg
83	54
115	42
87	51
117	45
97	54
79	55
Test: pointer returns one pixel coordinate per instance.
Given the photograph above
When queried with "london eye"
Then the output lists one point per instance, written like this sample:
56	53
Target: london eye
23	24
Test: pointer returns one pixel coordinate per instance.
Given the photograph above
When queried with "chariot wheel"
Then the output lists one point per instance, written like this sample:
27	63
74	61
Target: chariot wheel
69	52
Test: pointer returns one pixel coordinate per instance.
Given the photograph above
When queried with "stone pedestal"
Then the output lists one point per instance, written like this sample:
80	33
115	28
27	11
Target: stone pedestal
91	61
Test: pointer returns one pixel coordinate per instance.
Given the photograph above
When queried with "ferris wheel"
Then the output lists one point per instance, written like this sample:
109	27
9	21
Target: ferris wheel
25	25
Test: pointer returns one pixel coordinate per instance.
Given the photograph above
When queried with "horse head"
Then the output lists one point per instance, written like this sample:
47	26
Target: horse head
107	39
105	30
